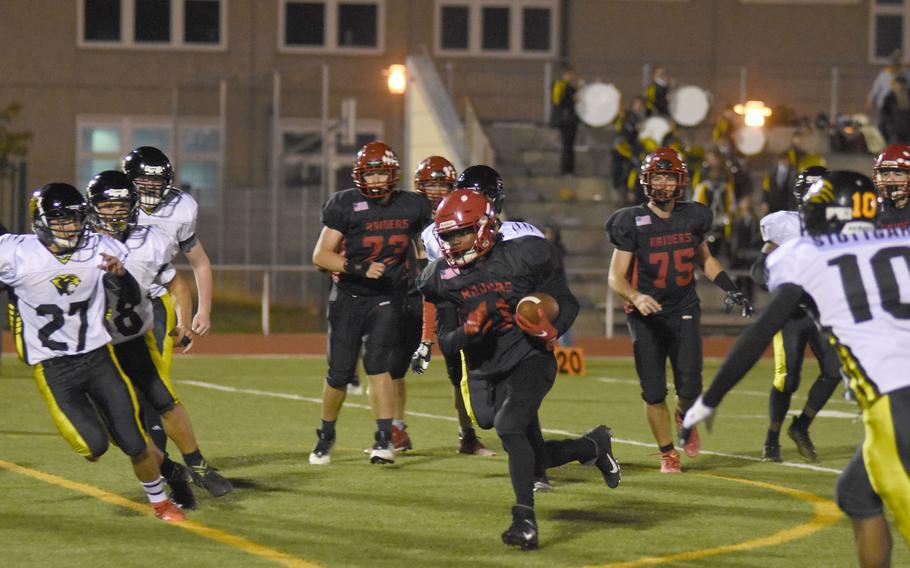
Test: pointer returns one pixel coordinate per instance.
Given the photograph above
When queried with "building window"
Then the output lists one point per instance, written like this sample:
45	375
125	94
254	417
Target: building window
152	24
342	26
103	141
519	28
302	152
888	29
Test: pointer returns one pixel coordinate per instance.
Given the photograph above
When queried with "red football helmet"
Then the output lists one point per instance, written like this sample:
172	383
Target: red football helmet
896	157
664	161
465	212
376	158
434	178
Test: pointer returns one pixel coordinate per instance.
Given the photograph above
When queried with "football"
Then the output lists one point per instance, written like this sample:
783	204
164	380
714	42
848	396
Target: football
527	306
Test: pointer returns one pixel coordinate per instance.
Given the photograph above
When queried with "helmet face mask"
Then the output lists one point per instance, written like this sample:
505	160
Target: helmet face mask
466	227
891	174
152	173
434	179
59	217
152	190
376	158
113	204
659	170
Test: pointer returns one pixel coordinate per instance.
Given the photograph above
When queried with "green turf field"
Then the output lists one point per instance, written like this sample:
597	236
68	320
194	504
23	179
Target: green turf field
255	419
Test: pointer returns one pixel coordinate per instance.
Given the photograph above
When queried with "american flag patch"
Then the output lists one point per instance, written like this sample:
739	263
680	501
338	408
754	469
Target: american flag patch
639	221
449	273
361	206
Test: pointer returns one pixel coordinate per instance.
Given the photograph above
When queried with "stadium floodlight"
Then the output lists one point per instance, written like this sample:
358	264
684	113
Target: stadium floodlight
397	79
754	112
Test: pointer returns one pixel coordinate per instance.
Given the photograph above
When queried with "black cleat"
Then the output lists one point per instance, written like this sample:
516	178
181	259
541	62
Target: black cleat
179	482
208	478
604	460
523	532
382	452
803	443
771	454
322	453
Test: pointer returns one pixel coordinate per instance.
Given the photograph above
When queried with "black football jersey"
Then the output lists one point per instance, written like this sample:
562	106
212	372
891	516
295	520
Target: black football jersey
664	249
376	232
511	270
890	217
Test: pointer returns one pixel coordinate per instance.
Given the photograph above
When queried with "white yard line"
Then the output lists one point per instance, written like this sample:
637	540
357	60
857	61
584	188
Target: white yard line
289	396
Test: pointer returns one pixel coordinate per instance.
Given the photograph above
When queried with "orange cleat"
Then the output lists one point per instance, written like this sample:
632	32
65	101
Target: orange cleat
693	445
669	462
168	511
472	445
401	442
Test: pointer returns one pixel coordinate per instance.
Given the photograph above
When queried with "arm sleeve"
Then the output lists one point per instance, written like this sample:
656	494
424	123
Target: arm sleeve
752	343
125	287
429	322
621	231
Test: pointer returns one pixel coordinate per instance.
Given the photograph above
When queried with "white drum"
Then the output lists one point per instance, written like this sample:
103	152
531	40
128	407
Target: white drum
655	128
689	105
598	104
750	140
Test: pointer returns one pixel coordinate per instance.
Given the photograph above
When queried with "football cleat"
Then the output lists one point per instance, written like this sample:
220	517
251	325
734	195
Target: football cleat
523	531
771	454
179	482
471	445
693	443
168	511
401	442
382	451
208	478
604	460
803	443
669	462
543	485
322	453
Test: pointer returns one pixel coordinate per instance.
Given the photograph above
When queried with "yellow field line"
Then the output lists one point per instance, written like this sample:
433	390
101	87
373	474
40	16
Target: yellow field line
824	514
219	536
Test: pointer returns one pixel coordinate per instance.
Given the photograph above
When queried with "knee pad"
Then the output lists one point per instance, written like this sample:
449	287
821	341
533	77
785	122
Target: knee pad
135	449
97	448
655	394
853	504
689	390
339	380
507	425
375	359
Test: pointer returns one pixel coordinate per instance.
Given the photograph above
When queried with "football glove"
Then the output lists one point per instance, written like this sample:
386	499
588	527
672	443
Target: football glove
737	298
698	412
542	330
420	361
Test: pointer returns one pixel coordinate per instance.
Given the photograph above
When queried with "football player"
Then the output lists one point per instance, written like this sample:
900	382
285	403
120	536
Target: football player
790	342
854	281
658	246
891	174
434	179
509	361
58	297
113	210
374	224
174	212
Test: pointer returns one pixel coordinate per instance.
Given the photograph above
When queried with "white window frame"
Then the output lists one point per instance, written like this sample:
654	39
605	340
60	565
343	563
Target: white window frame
516	33
331	29
876	9
314	125
128	32
127	124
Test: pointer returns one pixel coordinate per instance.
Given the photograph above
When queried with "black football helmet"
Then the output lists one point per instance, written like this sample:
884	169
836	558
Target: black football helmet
58	216
151	172
112	187
804	181
839	202
485	180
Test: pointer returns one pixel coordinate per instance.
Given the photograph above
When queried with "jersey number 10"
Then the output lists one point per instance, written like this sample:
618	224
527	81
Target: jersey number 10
885	279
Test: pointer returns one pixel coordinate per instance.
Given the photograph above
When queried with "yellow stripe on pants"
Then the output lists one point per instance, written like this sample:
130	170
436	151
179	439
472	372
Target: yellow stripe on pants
780	362
465	390
884	465
63	424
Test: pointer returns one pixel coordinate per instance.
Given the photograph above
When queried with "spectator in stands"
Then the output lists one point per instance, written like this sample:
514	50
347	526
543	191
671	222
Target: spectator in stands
895	112
626	147
778	185
716	190
657	93
881	87
565	118
745	243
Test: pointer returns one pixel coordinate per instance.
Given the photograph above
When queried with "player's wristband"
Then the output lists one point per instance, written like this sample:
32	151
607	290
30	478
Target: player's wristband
722	280
355	268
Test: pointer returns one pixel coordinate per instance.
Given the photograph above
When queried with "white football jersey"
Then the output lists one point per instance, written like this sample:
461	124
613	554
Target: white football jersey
780	226
176	216
509	230
149	262
60	300
861	287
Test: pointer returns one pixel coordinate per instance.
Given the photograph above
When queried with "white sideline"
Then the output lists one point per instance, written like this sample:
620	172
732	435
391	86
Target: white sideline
289	396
